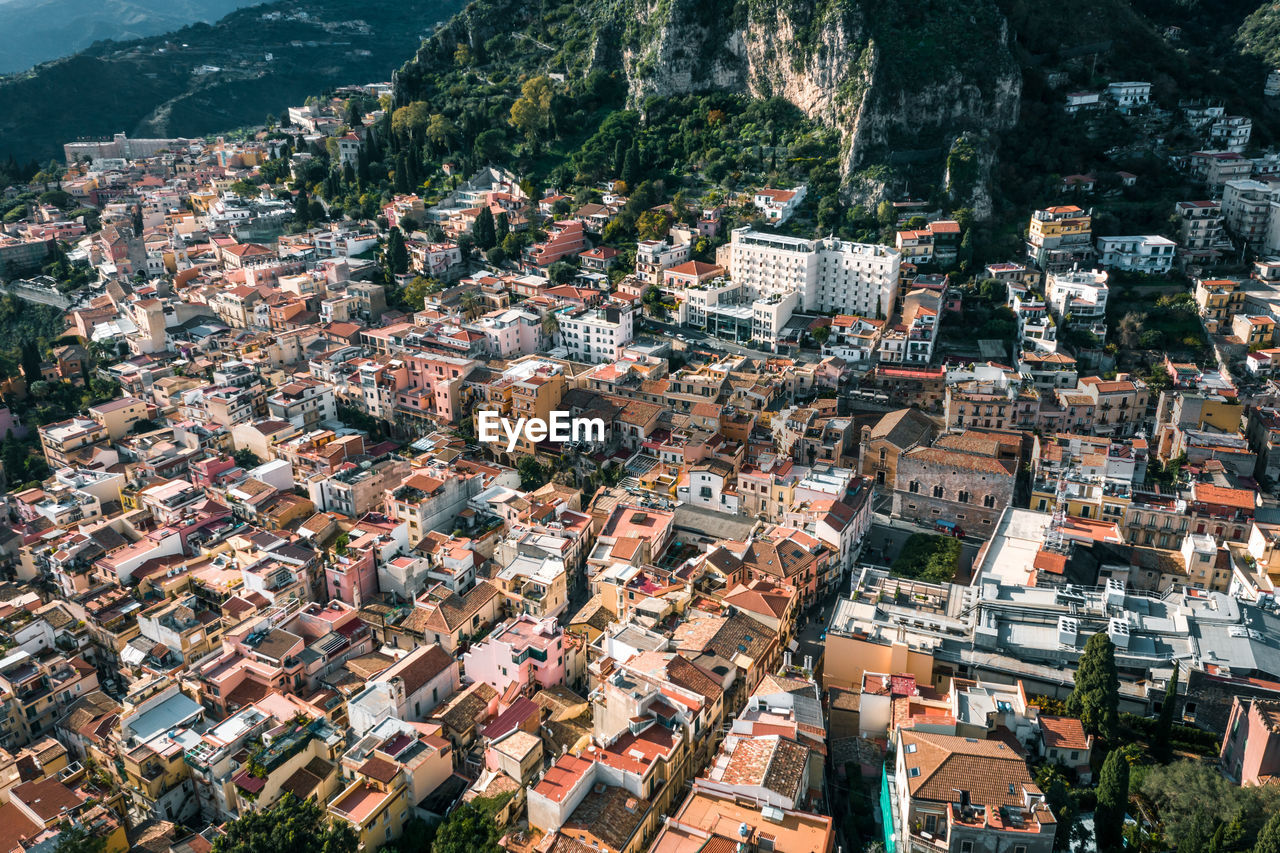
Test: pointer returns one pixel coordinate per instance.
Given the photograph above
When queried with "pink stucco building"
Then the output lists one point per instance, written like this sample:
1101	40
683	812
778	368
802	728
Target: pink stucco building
520	656
1251	746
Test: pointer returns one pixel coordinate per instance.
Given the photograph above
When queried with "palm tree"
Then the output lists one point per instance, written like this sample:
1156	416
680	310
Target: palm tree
550	325
470	305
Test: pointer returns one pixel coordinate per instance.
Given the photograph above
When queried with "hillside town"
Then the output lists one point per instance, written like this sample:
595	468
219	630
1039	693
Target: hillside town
873	549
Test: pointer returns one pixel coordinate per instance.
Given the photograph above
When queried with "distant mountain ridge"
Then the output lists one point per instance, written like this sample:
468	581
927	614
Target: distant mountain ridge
35	31
204	78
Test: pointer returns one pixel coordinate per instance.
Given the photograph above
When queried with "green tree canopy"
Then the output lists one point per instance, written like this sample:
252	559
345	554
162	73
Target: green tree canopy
1095	698
1164	730
290	826
470	828
1269	837
1113	801
397	254
484	230
411	119
532	473
531	112
76	839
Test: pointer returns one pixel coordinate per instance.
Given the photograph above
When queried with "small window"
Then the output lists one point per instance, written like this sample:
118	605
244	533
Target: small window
909	748
966	847
913	772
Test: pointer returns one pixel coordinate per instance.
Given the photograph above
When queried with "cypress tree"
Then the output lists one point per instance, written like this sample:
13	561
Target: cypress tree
412	158
631	167
30	361
1113	801
14	458
402	173
302	206
397	254
619	158
1065	811
362	165
501	228
1269	837
1095	698
1163	747
484	229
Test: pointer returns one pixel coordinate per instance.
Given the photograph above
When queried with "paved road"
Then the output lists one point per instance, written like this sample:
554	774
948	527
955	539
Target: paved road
817	620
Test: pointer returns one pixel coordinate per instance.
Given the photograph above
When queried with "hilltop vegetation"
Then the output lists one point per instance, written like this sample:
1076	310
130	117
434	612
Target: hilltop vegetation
34	31
159	86
944	101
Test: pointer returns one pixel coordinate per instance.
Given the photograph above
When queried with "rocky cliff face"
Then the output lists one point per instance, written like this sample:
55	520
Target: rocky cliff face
901	80
899	83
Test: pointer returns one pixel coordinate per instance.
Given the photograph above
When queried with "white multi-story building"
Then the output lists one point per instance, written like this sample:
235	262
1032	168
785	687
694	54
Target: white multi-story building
1129	95
778	205
653	257
1231	133
1247	208
912	340
1037	330
304	402
596	334
1079	298
853	339
1147	253
1199	225
1272	87
512	332
769	314
829	274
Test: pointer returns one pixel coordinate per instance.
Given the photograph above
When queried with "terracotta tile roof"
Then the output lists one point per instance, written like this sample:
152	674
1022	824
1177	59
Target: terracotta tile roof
956	459
612	816
686	674
904	428
15	826
418	669
729	637
452	613
302	782
696	268
379	769
1222	496
1048	561
992	773
771	762
1063	733
562	776
765	601
47	798
784	559
468	708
